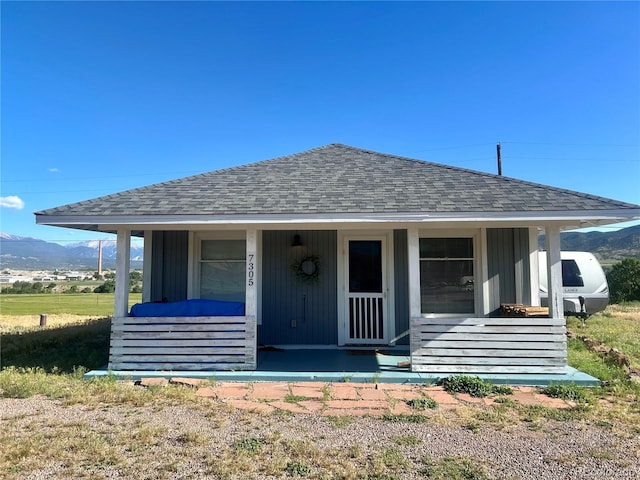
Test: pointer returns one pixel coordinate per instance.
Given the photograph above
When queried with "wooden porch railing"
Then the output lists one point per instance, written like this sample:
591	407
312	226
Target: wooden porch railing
183	343
488	345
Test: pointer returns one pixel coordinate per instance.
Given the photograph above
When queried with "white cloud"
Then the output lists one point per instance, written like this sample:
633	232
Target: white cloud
54	170
12	202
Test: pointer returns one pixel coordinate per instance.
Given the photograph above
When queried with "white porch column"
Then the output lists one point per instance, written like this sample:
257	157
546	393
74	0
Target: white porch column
413	240
251	299
146	266
554	272
123	256
534	267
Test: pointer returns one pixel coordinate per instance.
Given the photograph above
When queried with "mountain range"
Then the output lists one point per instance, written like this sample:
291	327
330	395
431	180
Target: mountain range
608	247
24	253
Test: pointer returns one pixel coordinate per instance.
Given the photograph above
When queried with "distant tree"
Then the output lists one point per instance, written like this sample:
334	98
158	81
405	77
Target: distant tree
108	286
135	276
86	290
624	281
24	288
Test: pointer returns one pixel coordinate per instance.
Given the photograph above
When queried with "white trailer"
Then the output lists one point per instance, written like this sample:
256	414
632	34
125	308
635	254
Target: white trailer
582	276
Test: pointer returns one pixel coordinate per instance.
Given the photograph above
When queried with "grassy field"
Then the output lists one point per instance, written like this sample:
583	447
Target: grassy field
89	304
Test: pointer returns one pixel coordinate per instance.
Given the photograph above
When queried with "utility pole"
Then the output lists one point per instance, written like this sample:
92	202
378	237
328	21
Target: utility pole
100	258
499	159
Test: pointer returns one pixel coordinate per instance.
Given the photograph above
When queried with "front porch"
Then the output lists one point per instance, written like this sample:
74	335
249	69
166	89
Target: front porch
334	365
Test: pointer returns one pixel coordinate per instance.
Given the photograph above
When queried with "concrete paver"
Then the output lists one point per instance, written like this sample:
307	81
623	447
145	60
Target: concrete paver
347	399
345	391
270	390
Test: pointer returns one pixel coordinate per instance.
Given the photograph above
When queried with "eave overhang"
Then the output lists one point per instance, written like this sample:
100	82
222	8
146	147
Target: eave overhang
569	219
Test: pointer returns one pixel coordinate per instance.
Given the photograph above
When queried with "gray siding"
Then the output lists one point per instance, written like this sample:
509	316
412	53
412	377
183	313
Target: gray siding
169	266
286	300
508	266
401	284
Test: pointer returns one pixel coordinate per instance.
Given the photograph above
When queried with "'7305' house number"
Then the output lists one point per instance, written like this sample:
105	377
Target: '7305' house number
251	269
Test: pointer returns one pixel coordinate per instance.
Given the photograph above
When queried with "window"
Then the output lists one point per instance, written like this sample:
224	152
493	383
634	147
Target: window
571	276
446	275
222	270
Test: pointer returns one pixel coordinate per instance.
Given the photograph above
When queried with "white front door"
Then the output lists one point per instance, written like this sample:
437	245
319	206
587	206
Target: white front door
366	315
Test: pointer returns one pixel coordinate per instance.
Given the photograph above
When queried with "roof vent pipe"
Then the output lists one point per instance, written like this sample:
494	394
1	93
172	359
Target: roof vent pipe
499	159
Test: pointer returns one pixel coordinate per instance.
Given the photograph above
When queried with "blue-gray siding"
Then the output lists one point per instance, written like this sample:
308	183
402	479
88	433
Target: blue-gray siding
289	301
508	265
169	266
401	284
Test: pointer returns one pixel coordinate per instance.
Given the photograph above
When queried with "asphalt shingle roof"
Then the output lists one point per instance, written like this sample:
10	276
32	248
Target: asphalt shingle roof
339	179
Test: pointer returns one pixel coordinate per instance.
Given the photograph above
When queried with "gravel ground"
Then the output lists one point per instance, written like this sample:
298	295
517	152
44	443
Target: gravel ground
42	438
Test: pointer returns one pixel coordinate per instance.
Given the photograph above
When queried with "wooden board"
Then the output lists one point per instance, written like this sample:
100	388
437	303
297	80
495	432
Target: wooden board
183	343
488	345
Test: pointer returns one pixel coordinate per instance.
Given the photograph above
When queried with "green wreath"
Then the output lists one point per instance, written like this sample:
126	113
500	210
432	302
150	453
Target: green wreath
307	269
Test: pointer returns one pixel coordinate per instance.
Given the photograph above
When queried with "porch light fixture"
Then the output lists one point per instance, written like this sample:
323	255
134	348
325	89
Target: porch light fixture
297	241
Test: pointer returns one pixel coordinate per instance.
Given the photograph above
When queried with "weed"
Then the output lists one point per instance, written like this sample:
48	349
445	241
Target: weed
192	438
297	468
341	421
409	440
249	444
401	417
473	426
423	403
566	392
291	398
454	468
506	401
393	458
474	386
602	454
326	393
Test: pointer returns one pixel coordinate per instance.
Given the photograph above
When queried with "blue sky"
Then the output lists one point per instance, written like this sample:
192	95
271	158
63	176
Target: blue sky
99	97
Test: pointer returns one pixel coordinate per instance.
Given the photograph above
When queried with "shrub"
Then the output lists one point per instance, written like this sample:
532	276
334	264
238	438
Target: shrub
624	281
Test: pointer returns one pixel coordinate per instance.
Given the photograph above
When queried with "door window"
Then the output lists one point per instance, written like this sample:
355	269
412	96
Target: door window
365	266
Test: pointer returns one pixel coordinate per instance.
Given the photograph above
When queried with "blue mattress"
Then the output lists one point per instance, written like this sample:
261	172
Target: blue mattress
189	308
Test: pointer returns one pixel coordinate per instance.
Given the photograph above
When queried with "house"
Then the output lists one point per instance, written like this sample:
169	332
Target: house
339	246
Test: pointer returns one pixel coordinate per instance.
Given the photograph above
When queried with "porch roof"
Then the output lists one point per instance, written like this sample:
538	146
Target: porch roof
337	182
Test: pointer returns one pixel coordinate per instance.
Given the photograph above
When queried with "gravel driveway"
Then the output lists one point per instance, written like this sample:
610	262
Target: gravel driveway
42	438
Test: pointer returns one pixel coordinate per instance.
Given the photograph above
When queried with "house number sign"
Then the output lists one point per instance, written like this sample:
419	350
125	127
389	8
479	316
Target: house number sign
251	269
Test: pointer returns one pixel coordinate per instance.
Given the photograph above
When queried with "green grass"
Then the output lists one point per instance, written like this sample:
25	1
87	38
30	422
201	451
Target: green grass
62	349
618	327
97	304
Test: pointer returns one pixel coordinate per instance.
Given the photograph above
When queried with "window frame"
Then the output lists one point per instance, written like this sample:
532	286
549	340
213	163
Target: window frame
475	237
195	257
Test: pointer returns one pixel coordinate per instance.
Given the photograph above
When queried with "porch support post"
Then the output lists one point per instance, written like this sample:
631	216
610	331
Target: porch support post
534	266
123	255
413	250
251	298
146	266
554	271
414	272
251	301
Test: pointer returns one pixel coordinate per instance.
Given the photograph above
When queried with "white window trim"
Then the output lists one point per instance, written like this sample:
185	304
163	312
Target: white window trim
478	270
195	242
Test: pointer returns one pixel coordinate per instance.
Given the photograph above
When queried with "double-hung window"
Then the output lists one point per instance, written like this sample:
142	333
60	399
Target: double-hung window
447	275
223	270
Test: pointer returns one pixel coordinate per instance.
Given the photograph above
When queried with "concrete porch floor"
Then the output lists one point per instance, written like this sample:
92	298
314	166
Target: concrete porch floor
337	365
